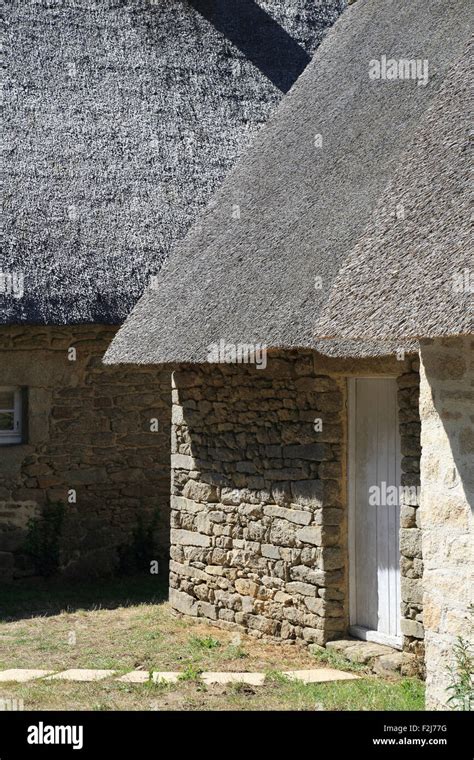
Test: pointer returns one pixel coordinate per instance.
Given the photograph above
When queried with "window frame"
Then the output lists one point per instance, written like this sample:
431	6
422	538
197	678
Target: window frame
15	436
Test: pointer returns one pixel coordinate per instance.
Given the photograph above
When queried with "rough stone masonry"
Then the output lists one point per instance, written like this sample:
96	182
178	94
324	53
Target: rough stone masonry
89	431
447	488
259	517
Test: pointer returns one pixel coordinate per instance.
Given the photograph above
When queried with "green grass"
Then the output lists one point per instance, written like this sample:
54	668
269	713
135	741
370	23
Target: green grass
337	661
365	694
191	673
190	694
120	624
204	642
126	624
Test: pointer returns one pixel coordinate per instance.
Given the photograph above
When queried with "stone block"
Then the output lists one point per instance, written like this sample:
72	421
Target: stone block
298	516
182	462
308	493
201	492
262	624
310	535
412	628
316	606
246	587
411	590
181	504
189	538
314	452
281	493
389	664
282	533
183	602
297	587
314	636
207	610
270	551
410	542
332	559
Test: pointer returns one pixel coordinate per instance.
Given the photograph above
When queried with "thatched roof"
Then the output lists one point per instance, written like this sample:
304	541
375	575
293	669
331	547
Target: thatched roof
413	276
121	119
290	211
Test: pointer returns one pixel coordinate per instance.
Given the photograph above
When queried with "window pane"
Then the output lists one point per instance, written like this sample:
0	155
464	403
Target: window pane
6	421
7	399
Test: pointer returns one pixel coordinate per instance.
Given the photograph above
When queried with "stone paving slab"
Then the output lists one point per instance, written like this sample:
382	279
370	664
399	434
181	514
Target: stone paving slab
21	675
379	658
80	674
319	675
253	679
362	652
340	645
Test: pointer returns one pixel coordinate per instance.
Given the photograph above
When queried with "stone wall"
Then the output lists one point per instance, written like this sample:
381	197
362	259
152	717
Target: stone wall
259	518
89	432
447	502
411	562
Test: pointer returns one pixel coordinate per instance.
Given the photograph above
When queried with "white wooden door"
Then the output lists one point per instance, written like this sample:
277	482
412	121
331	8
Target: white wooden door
374	512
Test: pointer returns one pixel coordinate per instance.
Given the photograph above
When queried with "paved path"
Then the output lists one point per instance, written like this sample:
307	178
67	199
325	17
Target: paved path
318	675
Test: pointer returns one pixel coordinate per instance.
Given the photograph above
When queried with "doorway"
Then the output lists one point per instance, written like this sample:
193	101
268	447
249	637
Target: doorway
374	512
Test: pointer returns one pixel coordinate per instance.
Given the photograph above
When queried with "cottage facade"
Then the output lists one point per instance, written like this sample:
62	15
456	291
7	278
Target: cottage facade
121	119
325	490
413	279
296	486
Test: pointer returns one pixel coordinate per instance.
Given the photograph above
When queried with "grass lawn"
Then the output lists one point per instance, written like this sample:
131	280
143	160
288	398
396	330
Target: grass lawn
126	624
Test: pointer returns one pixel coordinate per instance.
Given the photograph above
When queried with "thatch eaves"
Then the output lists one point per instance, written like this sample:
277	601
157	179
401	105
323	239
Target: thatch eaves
259	265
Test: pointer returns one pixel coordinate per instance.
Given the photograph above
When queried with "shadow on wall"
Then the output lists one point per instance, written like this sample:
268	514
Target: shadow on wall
87	493
257	519
448	405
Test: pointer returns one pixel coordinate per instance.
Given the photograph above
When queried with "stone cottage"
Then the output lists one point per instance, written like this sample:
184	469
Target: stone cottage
295	460
414	279
120	120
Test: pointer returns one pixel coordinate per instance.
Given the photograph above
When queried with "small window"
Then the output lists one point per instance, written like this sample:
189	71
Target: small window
11	415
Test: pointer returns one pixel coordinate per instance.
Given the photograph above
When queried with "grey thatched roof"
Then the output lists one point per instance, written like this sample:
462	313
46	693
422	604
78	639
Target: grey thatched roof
290	211
413	276
121	119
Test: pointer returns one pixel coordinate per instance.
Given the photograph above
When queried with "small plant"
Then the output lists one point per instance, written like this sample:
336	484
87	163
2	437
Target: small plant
206	642
190	673
337	661
276	677
43	539
462	686
155	684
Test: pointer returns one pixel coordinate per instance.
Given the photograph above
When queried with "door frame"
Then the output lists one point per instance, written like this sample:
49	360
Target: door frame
357	631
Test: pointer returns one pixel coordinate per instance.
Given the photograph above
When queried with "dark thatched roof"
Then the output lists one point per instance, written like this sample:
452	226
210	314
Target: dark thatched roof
121	119
413	276
290	212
